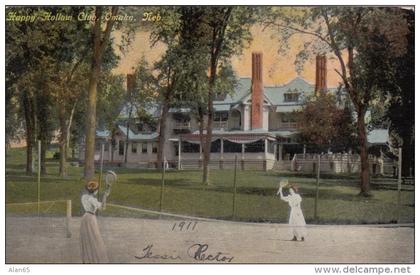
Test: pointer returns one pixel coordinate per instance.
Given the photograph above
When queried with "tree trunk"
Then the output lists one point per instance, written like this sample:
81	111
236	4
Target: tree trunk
63	138
69	124
112	150
209	129
201	130
28	113
98	50
162	132
44	145
364	161
127	139
91	123
407	156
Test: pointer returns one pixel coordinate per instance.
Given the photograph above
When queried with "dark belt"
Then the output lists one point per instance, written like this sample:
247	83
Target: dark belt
90	212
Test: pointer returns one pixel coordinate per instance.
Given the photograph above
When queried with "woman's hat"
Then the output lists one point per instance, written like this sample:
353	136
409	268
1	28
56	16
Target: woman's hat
92	185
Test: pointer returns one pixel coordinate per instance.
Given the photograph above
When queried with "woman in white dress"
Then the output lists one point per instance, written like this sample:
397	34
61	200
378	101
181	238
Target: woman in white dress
92	245
296	219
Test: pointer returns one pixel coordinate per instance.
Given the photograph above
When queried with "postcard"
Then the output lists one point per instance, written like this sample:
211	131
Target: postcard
209	135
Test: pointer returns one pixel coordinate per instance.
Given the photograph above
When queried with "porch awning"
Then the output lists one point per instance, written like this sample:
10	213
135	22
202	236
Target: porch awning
235	137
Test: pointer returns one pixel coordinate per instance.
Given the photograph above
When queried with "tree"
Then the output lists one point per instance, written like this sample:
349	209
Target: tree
400	111
21	52
350	34
325	125
141	91
200	42
228	31
100	42
30	59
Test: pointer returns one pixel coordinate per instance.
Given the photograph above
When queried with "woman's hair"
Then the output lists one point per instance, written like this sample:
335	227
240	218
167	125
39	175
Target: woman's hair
92	186
294	187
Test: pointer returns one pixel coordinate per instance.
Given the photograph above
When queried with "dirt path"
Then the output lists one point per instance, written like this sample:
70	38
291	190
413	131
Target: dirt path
43	240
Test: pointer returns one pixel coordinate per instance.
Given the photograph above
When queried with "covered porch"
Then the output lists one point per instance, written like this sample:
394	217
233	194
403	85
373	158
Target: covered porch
253	150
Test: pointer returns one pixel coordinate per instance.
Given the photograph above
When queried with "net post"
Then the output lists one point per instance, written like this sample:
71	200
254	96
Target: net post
399	183
68	218
39	177
318	169
162	185
234	189
101	167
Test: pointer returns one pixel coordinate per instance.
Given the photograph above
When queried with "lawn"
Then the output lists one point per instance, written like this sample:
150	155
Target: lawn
256	198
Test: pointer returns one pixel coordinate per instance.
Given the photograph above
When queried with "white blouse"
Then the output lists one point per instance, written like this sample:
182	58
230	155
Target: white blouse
90	203
293	200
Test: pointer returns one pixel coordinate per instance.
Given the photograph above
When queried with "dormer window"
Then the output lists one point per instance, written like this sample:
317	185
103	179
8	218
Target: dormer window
291	97
221	116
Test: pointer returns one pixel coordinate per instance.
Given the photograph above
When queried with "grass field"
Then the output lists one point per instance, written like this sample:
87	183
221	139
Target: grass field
184	194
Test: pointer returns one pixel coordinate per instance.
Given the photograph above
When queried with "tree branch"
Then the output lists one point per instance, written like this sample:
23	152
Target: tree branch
296	29
108	29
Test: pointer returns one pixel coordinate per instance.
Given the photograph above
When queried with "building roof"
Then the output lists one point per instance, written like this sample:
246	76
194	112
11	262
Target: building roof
242	92
273	94
103	133
152	109
137	136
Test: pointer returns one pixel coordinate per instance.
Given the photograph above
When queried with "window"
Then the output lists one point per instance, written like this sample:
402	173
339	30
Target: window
181	117
221	116
215	146
106	148
144	148
255	147
134	147
154	147
187	147
121	148
288	117
291	97
231	147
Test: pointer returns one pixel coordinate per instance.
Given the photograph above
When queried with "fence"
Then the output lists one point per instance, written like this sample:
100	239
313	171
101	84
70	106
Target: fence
343	163
250	195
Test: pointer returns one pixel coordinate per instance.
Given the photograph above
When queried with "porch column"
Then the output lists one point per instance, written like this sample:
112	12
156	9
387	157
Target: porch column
221	154
110	151
265	154
265	146
243	157
381	163
280	149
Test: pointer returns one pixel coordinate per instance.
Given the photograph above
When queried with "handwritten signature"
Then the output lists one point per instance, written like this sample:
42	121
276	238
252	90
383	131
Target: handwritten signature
196	251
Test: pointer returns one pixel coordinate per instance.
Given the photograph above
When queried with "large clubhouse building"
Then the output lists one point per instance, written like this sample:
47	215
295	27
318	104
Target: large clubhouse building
255	123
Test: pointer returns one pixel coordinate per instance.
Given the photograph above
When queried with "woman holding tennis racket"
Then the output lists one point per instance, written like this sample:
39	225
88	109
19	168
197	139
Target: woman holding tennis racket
296	218
92	245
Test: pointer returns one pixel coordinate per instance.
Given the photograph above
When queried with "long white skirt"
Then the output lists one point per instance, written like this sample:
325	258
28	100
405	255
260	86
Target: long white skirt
297	223
91	243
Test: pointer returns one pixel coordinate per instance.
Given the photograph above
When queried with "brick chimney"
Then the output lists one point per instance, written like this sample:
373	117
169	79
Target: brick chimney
321	74
257	90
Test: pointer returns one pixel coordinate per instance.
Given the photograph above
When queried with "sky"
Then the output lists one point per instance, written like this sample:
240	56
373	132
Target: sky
278	68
